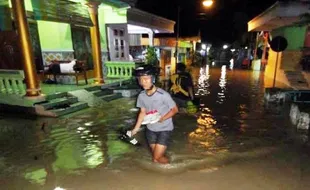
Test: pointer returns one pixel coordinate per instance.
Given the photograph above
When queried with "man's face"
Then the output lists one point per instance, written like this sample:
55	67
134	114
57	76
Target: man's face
146	82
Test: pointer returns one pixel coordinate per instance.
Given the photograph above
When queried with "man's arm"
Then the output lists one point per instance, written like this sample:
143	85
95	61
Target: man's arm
191	92
190	88
139	121
170	114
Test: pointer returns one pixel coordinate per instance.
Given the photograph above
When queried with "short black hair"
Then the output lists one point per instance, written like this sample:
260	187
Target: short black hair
180	66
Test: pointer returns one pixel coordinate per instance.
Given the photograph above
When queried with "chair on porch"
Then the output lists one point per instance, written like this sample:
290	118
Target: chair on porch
66	68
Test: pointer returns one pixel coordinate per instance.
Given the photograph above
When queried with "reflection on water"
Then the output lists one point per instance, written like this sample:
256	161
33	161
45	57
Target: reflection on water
231	65
222	84
203	82
206	135
41	149
232	121
69	150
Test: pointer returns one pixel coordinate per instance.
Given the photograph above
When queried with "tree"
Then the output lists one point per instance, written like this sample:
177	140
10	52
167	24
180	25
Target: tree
151	57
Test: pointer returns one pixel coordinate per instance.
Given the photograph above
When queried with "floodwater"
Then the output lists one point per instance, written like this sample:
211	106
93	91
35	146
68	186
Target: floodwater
235	142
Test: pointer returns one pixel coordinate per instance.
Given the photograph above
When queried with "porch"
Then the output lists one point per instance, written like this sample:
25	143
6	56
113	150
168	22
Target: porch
115	72
282	19
48	89
278	15
61	99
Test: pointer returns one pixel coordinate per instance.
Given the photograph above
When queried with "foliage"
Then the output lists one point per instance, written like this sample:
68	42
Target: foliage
151	57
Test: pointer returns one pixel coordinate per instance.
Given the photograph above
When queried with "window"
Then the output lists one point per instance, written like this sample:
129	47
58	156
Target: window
118	42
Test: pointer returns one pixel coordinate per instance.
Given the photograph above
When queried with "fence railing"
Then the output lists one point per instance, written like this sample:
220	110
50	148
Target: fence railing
116	69
11	82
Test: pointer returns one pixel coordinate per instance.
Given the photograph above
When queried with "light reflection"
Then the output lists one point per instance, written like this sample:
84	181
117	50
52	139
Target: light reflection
222	84
256	75
223	77
203	82
36	176
59	188
206	135
231	66
89	123
76	149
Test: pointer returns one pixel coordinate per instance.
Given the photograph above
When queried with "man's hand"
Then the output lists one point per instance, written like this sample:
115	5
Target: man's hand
134	131
170	114
161	119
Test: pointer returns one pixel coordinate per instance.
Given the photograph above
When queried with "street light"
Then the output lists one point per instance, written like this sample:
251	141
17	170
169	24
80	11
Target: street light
204	46
225	46
207	3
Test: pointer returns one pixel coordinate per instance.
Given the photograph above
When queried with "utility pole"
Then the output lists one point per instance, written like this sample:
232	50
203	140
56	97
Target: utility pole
177	36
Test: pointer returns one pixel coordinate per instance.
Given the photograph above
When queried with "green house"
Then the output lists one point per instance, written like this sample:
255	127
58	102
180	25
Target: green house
286	69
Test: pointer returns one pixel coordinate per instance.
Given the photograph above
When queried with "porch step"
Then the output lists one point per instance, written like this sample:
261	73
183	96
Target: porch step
103	92
296	79
59	102
93	88
56	95
72	108
127	87
111	97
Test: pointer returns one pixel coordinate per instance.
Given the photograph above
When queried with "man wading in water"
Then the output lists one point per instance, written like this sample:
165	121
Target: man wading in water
154	103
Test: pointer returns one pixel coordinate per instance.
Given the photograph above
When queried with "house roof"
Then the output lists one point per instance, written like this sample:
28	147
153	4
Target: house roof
156	23
184	38
278	15
116	3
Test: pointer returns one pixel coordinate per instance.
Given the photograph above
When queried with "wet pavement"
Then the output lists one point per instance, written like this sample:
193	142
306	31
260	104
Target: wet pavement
236	142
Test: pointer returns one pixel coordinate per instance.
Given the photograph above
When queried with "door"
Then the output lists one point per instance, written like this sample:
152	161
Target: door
165	62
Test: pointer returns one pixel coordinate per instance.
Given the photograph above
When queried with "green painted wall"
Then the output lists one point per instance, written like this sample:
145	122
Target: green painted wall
185	44
5	18
109	15
295	36
28	5
55	36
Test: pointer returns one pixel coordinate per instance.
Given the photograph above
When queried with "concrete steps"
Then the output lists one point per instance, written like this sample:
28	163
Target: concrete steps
72	108
111	97
297	79
59	104
106	94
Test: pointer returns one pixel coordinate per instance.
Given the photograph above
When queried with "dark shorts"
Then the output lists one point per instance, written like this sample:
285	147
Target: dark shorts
160	137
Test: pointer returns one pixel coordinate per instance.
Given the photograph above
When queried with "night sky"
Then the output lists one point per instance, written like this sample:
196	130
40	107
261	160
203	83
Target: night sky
223	23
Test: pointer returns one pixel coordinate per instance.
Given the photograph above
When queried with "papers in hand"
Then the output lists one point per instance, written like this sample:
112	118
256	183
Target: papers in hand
133	141
129	134
127	137
151	117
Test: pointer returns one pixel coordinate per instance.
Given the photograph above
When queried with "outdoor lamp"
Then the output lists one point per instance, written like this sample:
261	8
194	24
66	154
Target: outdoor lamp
207	3
203	46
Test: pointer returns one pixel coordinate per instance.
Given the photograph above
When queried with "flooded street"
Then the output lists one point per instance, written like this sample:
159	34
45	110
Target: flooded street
235	142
